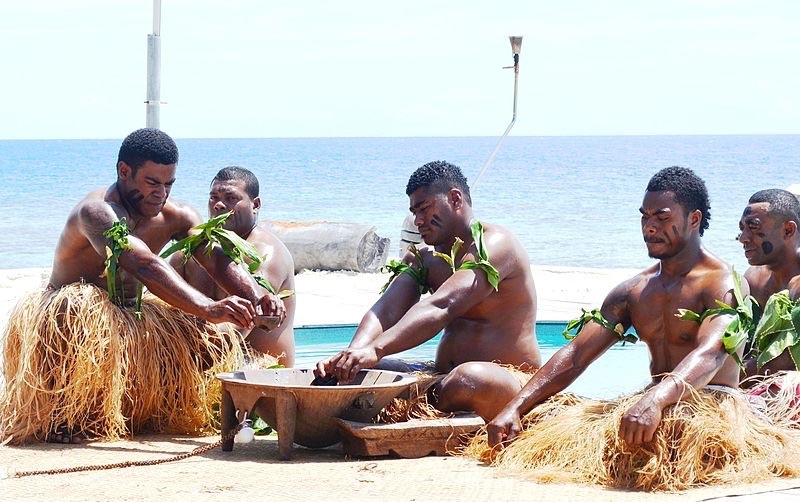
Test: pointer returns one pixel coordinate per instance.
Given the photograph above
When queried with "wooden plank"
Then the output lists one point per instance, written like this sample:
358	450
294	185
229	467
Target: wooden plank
411	439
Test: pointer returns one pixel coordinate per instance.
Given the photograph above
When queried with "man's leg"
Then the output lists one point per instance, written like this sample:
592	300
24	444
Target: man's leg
482	387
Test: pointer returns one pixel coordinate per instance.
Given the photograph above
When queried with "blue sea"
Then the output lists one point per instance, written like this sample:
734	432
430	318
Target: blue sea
573	201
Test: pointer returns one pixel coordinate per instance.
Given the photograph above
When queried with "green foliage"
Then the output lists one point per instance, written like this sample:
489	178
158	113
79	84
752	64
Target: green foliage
587	316
117	236
237	249
778	329
740	328
492	275
420	275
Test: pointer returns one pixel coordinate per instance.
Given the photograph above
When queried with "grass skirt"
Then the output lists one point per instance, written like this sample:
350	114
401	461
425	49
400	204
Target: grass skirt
780	395
72	358
713	438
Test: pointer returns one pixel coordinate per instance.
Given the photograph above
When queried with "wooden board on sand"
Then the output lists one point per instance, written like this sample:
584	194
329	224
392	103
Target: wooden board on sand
412	439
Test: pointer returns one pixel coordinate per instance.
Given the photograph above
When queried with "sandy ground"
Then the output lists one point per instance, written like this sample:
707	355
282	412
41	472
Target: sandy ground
253	469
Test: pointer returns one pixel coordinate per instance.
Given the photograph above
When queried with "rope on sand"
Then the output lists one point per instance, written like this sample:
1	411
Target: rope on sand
129	463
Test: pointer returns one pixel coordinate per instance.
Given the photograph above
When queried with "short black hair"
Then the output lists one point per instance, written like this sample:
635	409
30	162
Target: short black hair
147	144
441	176
240	174
689	189
781	203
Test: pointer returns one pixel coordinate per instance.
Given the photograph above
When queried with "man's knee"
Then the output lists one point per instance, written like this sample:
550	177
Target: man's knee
476	386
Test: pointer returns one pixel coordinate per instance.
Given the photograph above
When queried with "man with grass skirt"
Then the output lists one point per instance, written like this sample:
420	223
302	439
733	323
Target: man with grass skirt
482	296
690	426
89	356
234	190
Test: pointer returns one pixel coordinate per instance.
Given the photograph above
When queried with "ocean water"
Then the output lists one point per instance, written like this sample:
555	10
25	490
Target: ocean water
572	201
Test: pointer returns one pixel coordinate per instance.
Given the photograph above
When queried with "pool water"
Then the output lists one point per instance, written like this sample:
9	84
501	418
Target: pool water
621	370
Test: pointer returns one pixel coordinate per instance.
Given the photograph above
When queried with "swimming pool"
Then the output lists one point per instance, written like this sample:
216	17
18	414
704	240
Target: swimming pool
621	370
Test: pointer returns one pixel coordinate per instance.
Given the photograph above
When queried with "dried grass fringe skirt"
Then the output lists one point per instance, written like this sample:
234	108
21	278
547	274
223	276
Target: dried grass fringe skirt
713	438
72	358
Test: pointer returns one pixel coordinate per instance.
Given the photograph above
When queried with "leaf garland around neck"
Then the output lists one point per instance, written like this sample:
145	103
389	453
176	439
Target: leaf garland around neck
492	275
236	248
587	316
420	275
117	236
778	330
741	328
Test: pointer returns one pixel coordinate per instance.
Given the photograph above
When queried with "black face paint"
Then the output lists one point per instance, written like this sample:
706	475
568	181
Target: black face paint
767	247
436	222
747	211
135	195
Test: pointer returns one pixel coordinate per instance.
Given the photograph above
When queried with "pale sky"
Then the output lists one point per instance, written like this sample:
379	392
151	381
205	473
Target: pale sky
322	68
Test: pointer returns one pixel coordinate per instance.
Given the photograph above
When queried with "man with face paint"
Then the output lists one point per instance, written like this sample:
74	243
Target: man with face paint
236	189
481	325
685	356
91	358
771	241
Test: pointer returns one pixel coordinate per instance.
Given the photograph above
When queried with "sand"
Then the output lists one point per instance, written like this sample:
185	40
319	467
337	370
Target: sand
253	470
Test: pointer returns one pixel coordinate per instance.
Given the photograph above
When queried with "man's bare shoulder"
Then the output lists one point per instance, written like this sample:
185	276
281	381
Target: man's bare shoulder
267	242
502	243
632	285
757	275
715	281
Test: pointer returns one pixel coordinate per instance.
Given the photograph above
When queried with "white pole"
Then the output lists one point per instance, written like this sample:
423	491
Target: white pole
516	46
153	102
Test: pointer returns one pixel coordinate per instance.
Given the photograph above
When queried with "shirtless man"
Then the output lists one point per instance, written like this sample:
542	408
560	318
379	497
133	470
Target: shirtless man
236	189
82	350
145	173
771	241
480	324
674	215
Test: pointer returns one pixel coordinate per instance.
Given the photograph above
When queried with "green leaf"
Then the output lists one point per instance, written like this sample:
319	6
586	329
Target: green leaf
794	352
477	236
117	236
779	342
596	316
737	288
740	328
688	315
420	275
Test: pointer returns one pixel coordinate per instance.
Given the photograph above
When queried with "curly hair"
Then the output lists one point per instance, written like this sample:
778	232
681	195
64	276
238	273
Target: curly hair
241	174
441	176
782	203
689	189
147	144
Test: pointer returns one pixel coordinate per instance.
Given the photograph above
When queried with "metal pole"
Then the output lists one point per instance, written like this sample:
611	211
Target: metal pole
153	102
516	47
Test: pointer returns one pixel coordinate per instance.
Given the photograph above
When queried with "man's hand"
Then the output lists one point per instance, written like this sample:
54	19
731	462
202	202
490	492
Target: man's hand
272	306
346	364
231	309
504	427
640	422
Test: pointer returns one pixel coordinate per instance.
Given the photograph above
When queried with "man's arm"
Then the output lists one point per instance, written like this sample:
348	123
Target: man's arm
230	276
155	273
401	295
563	367
695	371
463	290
